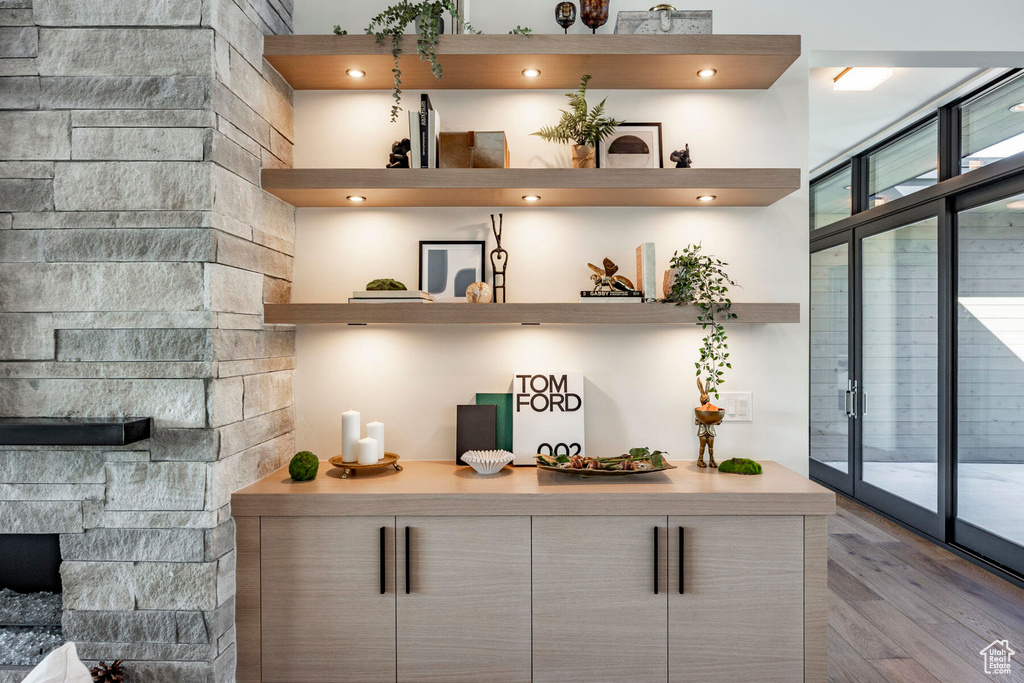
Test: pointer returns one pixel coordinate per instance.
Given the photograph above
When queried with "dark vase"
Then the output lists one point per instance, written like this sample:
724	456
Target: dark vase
565	15
594	13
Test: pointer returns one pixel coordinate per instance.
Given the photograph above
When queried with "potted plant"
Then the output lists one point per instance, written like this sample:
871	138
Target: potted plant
583	127
700	280
426	17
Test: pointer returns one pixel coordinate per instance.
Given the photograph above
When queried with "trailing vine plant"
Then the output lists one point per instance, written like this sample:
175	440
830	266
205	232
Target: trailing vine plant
395	19
700	280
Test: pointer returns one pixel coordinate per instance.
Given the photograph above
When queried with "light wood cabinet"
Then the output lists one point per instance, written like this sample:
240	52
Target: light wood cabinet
740	614
325	618
464	605
596	613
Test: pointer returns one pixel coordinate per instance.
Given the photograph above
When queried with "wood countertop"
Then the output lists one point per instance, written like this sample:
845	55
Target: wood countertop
443	488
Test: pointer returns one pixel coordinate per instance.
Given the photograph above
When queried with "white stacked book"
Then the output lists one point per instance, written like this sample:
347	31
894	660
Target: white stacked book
391	296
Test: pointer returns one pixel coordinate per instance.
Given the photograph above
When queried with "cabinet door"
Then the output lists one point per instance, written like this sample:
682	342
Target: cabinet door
596	614
740	614
464	604
325	619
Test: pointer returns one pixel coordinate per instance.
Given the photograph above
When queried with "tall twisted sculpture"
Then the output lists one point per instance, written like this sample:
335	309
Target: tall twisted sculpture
499	261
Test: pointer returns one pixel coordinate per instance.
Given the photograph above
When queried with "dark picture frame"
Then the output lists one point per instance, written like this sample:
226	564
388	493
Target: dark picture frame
604	158
445	262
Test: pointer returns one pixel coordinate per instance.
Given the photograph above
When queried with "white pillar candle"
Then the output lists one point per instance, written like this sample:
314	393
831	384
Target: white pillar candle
349	436
375	430
367	451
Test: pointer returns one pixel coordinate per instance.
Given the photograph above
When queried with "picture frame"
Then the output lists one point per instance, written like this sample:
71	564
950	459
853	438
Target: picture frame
632	145
446	266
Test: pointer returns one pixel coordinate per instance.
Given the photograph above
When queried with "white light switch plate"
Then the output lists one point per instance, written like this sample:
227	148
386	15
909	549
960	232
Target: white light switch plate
739	406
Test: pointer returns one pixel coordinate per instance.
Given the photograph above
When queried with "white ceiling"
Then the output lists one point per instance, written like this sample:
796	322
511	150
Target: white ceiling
841	120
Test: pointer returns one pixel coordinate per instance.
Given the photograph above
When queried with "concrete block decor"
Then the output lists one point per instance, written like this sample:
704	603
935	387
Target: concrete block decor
136	252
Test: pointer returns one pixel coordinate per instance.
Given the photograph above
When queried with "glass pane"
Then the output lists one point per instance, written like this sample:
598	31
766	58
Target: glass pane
830	199
904	166
830	361
990	368
993	125
900	391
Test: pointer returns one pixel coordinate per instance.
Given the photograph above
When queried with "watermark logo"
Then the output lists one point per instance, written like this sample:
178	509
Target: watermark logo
997	657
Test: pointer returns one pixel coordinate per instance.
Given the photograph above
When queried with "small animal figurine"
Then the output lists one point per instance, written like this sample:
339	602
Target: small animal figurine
606	278
399	157
682	157
706	417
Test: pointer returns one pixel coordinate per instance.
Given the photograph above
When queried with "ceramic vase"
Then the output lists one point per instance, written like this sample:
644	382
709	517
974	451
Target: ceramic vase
584	156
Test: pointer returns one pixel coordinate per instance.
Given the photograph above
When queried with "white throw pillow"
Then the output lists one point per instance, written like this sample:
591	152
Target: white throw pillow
60	666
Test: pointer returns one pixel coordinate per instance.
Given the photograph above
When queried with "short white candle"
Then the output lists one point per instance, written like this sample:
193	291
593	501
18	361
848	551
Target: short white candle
375	430
367	451
349	436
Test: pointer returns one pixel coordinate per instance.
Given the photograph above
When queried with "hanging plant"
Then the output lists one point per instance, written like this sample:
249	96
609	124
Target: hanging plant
392	23
700	280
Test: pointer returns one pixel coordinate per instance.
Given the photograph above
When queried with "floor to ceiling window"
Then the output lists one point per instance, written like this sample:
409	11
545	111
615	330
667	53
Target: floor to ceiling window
917	326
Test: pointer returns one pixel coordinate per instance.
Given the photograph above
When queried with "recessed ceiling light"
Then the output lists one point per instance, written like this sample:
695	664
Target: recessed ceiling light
1018	108
1019	204
707	73
531	198
861	78
356	73
706	198
531	73
356	198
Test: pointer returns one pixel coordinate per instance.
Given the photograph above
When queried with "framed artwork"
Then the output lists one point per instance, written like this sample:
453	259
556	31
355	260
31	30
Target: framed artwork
447	268
632	145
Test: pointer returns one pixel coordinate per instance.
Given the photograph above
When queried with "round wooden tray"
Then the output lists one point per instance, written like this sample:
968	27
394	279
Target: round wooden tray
390	460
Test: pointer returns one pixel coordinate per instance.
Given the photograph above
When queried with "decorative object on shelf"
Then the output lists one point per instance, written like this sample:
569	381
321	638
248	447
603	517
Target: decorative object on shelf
303	466
475	429
594	13
700	280
348	468
399	157
584	127
473	149
367	452
645	277
637	461
350	435
548	415
375	430
565	15
632	145
479	293
740	466
338	31
385	284
112	673
448	268
614	297
681	157
426	15
605	279
521	31
664	19
487	462
503	422
706	417
398	296
499	260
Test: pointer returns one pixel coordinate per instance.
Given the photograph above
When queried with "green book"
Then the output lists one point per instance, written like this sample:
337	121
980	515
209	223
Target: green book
504	404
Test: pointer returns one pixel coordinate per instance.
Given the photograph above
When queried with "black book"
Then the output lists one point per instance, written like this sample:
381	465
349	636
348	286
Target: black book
425	106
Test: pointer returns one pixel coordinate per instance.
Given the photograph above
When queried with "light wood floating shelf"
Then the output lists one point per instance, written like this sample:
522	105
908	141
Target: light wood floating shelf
321	187
511	314
482	62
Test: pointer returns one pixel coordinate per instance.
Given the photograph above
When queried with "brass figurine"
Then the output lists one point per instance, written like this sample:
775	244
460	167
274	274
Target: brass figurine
706	417
606	278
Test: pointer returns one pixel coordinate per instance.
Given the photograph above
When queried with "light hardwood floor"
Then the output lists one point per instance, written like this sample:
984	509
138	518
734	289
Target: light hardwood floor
904	609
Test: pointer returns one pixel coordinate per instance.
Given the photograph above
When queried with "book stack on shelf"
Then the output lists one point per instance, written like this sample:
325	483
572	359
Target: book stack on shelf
391	296
424	128
589	297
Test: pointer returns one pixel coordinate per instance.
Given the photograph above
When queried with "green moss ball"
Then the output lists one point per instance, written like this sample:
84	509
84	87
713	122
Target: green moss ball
384	284
740	466
304	466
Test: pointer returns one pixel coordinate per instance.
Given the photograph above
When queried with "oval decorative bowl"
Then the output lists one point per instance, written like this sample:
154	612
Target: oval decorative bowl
709	417
487	462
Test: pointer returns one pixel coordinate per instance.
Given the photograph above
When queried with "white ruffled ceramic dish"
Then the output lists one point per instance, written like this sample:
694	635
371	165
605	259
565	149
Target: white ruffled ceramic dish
487	462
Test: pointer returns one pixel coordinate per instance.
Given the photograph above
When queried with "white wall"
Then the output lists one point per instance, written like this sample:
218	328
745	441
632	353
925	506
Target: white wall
640	388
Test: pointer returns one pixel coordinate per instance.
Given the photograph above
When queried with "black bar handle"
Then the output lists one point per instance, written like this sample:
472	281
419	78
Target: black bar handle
682	559
383	561
656	560
408	575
